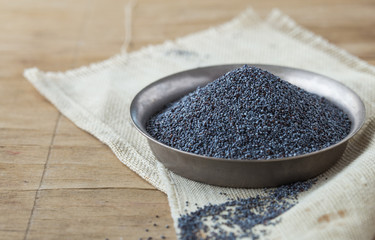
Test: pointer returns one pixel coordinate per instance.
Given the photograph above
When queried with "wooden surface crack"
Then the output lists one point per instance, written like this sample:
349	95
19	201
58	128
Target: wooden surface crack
37	193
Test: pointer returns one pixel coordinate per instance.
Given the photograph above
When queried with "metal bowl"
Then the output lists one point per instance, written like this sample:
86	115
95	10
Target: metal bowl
235	172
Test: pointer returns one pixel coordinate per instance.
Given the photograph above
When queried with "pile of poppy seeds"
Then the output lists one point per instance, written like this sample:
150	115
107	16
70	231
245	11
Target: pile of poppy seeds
249	113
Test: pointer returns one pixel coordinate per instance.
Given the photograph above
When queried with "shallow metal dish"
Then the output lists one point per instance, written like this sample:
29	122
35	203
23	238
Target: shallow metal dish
244	173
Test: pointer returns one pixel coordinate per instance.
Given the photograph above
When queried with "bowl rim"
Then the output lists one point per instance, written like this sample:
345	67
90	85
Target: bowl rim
232	160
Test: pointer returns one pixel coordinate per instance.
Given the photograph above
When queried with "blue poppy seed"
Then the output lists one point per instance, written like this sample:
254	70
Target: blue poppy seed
249	113
241	214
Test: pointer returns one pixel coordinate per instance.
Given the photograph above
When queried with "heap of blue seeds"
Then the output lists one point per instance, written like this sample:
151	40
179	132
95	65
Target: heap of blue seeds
235	219
249	113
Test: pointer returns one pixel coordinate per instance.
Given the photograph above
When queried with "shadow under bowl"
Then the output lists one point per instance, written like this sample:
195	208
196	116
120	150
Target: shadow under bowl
235	172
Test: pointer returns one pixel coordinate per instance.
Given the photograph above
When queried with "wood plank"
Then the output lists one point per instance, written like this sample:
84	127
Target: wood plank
39	33
21	167
89	167
27	119
15	208
101	214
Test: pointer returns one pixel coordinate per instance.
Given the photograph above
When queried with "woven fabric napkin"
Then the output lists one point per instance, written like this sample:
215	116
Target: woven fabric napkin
97	98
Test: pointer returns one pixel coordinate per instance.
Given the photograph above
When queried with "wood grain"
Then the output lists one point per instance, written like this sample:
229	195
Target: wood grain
118	213
59	182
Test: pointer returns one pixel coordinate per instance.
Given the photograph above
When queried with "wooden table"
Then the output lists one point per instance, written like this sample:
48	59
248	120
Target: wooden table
59	182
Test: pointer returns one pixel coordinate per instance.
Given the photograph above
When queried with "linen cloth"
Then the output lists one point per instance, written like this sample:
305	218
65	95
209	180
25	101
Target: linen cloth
97	99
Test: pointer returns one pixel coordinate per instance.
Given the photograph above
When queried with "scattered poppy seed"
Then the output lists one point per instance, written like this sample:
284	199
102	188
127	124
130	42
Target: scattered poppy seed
155	224
244	215
146	230
166	226
249	113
